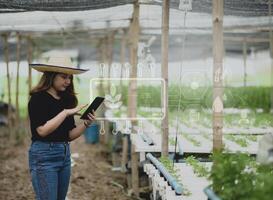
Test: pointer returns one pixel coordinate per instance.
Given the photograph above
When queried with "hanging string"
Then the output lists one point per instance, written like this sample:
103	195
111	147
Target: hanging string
180	87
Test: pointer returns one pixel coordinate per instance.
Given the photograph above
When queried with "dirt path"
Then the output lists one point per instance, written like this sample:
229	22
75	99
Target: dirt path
91	178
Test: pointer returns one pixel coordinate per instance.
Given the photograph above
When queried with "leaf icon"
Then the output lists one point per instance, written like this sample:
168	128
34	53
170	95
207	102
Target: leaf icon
113	90
107	104
119	104
117	98
108	97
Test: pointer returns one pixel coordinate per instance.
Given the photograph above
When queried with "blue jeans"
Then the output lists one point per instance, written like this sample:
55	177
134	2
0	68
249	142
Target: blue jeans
50	168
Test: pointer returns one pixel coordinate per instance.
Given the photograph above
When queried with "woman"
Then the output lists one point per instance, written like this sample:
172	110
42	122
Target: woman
51	108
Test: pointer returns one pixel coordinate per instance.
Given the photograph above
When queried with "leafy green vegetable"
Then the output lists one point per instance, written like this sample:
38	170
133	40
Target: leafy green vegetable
239	176
198	168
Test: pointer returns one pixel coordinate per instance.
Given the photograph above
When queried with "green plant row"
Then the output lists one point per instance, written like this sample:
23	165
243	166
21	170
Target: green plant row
198	168
239	176
192	140
169	166
234	97
238	140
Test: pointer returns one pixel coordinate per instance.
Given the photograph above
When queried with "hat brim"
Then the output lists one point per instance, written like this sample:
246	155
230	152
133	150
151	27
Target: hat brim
58	69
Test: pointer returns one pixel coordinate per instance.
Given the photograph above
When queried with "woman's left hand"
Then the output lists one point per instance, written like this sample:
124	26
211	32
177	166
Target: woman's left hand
91	118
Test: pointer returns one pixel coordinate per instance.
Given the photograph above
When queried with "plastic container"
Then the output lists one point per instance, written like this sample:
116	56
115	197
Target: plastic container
92	134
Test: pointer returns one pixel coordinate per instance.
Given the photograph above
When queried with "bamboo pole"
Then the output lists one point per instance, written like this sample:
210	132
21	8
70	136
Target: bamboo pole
6	50
18	58
135	174
29	59
244	57
99	53
124	157
122	55
109	59
105	61
271	55
164	69
271	48
132	99
110	44
133	43
218	49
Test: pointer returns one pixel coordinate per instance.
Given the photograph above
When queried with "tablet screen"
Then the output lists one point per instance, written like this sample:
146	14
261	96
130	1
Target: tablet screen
93	106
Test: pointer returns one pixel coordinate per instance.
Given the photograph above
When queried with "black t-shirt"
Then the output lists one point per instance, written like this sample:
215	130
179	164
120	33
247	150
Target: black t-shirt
41	108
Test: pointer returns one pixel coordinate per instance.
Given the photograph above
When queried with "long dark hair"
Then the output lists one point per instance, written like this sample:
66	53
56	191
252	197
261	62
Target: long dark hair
68	96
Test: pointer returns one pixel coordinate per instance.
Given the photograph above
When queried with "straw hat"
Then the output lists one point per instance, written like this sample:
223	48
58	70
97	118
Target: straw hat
60	64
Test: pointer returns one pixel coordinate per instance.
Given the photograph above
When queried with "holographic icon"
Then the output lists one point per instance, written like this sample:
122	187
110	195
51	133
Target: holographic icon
244	119
217	105
194	85
194	116
128	127
102	130
115	131
218	76
102	69
151	62
140	67
112	101
140	128
115	70
127	67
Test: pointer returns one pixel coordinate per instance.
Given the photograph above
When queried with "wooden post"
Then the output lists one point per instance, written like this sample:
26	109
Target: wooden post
217	13
244	56
105	61
29	59
271	48
100	57
133	43
164	69
18	58
122	55
132	100
110	44
124	157
135	175
6	50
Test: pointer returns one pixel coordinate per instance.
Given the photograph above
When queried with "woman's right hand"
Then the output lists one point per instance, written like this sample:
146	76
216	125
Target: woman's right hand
75	110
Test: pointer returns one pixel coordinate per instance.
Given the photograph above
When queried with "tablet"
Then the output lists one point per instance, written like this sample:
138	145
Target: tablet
93	106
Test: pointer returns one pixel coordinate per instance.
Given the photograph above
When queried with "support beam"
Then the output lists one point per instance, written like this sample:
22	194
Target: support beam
246	39
244	57
271	48
29	59
18	58
132	99
133	44
164	71
110	46
217	18
6	51
122	54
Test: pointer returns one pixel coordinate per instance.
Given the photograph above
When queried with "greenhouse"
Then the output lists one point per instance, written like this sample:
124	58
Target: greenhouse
136	99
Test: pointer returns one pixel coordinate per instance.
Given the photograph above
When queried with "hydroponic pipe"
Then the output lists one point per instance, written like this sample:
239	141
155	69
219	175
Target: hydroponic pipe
146	139
171	180
210	194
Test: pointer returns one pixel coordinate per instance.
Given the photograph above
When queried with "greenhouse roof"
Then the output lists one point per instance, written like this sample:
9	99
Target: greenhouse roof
245	20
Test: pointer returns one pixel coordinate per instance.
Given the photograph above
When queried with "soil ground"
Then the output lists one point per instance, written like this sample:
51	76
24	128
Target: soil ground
91	178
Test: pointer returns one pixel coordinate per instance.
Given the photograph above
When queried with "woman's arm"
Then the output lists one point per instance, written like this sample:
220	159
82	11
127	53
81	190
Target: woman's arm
78	130
55	122
52	124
